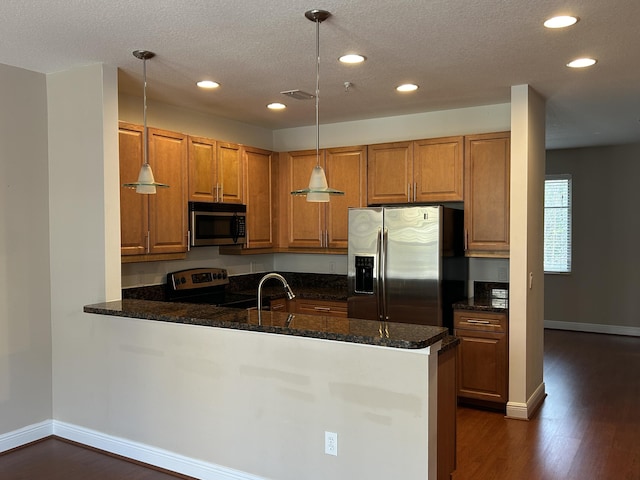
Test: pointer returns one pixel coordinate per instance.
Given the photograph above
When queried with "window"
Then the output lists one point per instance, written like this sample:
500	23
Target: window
557	224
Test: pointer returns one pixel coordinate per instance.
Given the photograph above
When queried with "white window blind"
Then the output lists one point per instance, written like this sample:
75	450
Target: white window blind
557	224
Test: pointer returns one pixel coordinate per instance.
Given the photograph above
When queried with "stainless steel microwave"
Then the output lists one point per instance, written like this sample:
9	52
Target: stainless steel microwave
217	224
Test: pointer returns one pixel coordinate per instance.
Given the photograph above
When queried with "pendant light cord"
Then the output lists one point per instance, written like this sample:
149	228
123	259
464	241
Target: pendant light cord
145	154
317	91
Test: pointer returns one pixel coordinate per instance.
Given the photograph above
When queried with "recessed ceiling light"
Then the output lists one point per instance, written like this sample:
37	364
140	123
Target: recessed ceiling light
561	21
276	106
407	87
582	62
352	58
208	84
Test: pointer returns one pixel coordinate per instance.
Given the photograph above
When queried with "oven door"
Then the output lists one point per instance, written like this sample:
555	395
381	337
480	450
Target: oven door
217	228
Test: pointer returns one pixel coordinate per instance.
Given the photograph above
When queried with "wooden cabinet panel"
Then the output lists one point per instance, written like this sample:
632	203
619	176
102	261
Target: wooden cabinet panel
216	171
389	172
153	224
321	307
202	169
134	208
438	169
305	219
230	172
259	178
345	170
447	406
322	225
168	207
482	357
279	305
487	165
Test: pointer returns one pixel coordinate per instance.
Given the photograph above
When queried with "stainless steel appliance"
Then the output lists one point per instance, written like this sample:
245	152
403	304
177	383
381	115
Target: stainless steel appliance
206	286
217	224
406	264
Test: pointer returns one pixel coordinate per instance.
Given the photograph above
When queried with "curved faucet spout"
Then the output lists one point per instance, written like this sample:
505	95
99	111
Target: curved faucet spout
286	286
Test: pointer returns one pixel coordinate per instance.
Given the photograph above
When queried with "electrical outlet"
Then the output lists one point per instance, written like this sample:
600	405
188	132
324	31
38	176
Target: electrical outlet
331	443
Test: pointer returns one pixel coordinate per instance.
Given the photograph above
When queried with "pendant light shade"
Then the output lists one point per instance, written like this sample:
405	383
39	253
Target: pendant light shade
318	190
146	183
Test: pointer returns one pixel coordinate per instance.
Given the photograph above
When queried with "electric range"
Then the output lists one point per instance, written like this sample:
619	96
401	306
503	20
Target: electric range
206	285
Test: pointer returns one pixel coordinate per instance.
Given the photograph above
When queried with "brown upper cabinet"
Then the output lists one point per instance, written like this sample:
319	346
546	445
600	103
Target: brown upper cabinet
153	224
259	197
429	170
215	171
321	225
487	176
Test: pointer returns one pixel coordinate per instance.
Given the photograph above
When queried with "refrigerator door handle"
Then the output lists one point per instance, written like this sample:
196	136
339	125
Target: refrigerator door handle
383	273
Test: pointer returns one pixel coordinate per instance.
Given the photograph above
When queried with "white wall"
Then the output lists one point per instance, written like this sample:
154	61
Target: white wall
84	230
256	402
526	287
485	119
177	119
601	292
25	308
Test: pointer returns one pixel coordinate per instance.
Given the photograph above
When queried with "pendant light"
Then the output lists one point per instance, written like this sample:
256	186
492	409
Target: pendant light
145	184
318	190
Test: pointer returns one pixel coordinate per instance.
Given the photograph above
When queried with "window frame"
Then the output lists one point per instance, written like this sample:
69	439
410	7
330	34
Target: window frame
569	208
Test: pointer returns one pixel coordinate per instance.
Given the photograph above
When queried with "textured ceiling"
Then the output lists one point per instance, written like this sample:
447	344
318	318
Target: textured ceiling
461	52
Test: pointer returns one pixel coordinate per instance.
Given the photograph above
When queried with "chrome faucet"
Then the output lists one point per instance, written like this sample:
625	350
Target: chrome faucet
286	286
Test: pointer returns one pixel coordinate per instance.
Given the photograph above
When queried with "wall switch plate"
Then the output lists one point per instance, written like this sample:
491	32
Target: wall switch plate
331	443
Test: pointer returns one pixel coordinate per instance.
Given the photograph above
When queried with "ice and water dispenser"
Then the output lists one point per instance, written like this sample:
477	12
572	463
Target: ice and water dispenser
365	265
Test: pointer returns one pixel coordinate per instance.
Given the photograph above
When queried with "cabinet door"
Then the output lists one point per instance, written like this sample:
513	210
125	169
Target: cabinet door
487	171
438	166
482	366
345	169
305	219
202	169
259	198
389	172
168	207
230	172
134	216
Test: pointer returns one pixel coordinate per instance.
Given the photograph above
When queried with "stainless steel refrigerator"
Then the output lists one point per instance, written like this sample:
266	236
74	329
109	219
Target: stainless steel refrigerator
406	264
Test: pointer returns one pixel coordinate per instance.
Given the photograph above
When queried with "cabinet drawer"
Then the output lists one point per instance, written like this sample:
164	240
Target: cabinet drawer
321	307
279	305
483	321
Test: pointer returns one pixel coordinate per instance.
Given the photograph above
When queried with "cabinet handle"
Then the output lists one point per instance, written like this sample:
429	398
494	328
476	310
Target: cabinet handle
147	241
408	192
478	322
188	240
322	309
466	239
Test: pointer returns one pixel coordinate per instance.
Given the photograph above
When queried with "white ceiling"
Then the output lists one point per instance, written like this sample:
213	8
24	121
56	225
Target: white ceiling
461	52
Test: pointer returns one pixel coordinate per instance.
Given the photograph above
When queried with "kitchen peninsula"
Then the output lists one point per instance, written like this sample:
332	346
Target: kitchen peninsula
220	386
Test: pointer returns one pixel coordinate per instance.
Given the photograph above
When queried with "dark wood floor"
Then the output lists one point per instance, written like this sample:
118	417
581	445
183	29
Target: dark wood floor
588	427
57	459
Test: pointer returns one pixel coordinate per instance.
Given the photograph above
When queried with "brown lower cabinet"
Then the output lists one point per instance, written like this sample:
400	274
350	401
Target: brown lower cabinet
447	412
483	356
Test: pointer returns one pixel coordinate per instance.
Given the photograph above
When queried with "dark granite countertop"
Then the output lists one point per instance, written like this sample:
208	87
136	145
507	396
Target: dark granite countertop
482	305
397	335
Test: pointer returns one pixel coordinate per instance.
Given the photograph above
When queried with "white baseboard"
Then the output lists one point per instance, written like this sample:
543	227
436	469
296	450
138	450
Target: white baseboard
123	447
25	435
524	411
593	328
